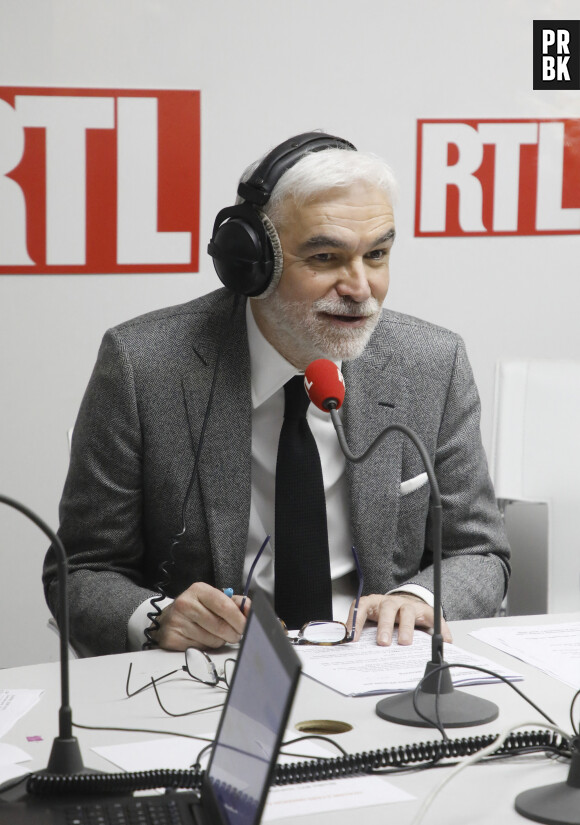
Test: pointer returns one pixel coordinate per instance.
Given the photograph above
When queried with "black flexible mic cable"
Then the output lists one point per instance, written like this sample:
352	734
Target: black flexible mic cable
166	566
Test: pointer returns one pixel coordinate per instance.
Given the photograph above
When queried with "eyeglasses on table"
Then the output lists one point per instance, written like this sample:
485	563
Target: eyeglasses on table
316	632
199	666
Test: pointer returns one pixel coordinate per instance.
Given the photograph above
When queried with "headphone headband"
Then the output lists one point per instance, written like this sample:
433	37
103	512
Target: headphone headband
258	188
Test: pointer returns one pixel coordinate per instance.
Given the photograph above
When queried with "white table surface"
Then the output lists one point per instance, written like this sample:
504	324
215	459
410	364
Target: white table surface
480	794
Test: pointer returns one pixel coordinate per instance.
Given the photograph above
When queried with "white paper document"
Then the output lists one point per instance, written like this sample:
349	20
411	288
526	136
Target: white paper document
553	648
14	704
363	668
11	758
155	754
179	754
283	800
10	772
12	755
330	795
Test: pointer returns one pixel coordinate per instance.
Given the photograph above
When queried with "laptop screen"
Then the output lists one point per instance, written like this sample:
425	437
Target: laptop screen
254	719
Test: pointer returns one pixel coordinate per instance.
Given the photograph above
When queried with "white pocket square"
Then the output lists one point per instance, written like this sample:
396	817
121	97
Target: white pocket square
412	484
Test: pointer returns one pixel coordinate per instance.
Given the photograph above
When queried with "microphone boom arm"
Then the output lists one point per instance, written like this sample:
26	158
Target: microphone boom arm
65	756
434	701
435	507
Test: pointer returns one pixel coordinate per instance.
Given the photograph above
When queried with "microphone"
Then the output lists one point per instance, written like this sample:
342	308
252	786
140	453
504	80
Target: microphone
435	702
65	756
324	384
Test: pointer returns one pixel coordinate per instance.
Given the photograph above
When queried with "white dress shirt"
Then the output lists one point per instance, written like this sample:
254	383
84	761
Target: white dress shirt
269	372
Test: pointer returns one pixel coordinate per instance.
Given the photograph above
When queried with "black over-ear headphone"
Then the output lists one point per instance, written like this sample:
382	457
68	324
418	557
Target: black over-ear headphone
245	248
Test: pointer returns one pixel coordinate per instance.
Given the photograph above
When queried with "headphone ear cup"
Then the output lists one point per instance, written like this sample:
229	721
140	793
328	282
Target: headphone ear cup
242	252
245	247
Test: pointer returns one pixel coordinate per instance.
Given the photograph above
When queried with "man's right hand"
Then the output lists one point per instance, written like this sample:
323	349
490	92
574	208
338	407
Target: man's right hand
201	616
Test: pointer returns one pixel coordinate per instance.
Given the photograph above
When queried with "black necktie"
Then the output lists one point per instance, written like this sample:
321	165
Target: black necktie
302	590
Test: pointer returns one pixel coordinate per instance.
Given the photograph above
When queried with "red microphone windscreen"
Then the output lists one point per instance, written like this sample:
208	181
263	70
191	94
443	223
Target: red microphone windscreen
323	382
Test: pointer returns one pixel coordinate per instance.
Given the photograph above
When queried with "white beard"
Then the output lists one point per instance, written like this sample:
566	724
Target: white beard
301	335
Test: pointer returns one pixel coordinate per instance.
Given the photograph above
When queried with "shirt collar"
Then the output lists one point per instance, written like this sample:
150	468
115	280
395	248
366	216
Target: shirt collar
269	369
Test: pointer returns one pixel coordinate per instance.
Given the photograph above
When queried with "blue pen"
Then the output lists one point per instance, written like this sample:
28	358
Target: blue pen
229	591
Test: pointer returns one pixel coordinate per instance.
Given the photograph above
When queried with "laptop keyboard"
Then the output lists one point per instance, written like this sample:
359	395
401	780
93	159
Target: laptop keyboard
134	811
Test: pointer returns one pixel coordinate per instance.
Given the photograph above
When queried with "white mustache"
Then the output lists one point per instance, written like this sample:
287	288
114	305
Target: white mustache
347	306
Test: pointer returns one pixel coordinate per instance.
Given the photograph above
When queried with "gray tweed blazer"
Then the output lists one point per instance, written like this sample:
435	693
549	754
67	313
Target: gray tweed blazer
139	426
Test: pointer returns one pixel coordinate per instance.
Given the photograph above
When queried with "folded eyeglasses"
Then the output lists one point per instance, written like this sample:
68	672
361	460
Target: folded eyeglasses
316	632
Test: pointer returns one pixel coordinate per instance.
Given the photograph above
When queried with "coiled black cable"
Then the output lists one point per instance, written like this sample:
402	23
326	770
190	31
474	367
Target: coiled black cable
111	783
400	757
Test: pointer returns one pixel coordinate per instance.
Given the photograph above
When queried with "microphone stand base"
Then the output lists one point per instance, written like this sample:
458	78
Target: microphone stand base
557	804
65	757
451	710
65	760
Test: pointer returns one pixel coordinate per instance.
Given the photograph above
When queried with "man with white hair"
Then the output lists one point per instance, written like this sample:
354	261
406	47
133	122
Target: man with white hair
175	478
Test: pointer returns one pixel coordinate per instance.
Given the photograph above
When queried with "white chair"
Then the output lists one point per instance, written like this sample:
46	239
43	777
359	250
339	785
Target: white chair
52	625
536	458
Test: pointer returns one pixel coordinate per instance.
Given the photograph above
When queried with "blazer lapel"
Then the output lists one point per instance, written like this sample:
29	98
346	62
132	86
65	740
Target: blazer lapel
376	396
225	461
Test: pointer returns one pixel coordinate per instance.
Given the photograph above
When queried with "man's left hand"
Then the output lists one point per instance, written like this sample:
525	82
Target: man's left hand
402	609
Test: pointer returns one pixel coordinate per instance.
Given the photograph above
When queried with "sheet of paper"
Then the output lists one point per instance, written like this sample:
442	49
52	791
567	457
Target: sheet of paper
553	648
10	772
284	800
173	753
364	668
11	758
14	704
176	753
331	795
11	755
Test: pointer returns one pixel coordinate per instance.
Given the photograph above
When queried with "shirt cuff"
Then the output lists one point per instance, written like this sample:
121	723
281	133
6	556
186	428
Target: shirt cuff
138	623
415	590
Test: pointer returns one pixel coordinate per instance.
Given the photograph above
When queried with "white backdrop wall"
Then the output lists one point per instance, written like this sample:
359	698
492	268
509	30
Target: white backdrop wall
367	71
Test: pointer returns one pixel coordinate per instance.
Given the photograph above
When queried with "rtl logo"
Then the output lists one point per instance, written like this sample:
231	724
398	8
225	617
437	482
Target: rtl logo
556	58
98	180
498	177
